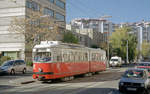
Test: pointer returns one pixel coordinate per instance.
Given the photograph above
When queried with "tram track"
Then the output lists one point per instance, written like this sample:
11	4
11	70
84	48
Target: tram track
70	87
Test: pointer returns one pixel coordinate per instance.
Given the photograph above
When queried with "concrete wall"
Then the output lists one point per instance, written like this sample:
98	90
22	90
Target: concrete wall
11	42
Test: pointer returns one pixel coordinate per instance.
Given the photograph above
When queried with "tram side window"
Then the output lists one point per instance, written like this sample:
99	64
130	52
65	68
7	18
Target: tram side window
69	56
59	58
75	56
83	58
86	56
66	57
99	57
96	57
79	57
93	57
72	57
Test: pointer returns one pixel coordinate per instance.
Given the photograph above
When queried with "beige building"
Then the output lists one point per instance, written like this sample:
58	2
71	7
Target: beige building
13	45
101	29
88	37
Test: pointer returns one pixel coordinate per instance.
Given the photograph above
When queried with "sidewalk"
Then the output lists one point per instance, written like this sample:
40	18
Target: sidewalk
23	80
29	69
26	78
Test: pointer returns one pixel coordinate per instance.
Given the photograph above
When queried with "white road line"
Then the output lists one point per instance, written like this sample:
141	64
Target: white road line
111	92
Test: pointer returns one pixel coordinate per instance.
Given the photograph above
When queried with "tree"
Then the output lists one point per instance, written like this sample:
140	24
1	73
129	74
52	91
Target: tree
34	28
145	49
69	38
104	46
119	40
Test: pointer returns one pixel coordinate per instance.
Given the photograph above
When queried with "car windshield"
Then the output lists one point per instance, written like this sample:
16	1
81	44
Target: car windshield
42	57
114	59
8	63
144	64
134	74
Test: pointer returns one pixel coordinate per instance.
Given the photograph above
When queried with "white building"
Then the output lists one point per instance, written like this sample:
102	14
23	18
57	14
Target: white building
103	27
12	44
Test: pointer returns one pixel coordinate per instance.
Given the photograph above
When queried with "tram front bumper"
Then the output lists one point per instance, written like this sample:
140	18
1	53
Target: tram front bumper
42	75
41	78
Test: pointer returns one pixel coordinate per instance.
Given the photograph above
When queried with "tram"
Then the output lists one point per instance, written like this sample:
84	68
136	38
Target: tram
57	60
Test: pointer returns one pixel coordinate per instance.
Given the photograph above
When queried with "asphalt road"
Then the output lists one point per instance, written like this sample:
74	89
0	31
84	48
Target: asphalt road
103	83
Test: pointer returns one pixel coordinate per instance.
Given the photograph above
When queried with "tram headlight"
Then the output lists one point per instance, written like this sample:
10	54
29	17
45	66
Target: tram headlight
40	70
33	66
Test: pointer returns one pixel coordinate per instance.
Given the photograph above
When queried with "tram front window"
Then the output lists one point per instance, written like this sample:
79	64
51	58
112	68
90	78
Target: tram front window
42	57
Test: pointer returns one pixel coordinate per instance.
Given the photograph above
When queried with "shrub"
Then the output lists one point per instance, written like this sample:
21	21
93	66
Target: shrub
29	63
4	58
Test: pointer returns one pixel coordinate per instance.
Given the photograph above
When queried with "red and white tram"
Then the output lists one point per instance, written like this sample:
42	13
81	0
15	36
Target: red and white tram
53	60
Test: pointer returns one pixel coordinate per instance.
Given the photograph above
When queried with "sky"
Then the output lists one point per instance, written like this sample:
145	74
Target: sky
120	10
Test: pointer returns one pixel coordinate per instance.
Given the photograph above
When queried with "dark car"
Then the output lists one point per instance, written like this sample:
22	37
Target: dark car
144	65
13	66
135	80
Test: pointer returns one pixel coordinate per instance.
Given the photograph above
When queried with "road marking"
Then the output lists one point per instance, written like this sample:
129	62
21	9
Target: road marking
111	92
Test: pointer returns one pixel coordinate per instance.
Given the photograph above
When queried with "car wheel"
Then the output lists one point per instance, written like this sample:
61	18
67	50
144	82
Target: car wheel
145	92
12	72
24	71
121	91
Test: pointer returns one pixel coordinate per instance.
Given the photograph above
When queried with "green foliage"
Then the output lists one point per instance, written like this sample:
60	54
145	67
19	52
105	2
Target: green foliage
70	38
119	40
4	58
146	49
29	63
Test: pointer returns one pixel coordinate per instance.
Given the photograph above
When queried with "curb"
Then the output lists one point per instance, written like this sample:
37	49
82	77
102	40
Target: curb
27	82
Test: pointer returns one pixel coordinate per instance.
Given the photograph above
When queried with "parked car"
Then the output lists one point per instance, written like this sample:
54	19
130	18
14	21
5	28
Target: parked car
144	65
13	66
135	80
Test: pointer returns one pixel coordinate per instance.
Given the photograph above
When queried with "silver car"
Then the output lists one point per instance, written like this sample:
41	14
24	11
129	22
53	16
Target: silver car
13	66
135	80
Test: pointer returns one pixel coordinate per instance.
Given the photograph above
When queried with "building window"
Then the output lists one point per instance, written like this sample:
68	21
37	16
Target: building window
33	5
29	4
48	12
60	4
60	17
52	1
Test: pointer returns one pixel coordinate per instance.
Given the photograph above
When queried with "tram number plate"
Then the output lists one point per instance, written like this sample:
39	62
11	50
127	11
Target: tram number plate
131	89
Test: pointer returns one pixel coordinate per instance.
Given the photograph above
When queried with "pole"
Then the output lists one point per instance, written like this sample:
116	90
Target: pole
108	45
127	53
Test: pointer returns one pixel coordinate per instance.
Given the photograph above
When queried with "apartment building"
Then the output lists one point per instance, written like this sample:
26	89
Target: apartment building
102	28
140	29
12	44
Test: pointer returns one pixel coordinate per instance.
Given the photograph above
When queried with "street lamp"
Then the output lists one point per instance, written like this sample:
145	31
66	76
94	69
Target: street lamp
140	40
127	60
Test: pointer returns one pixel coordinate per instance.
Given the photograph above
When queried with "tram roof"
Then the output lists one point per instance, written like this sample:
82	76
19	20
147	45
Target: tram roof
58	44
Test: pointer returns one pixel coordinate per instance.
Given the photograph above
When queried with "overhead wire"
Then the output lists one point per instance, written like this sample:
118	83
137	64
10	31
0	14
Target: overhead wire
91	10
83	11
